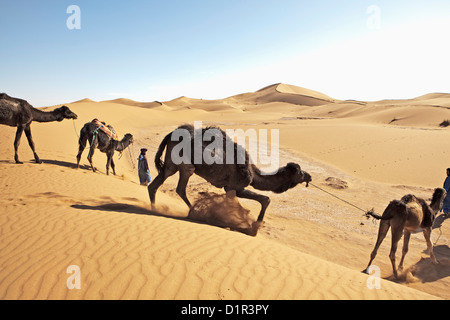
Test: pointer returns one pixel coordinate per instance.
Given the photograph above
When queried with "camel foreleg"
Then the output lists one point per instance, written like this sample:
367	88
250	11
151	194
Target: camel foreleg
113	166
427	235
110	163
31	143
263	200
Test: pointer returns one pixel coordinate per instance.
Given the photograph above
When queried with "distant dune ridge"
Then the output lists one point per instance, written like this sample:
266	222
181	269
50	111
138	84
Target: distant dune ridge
312	246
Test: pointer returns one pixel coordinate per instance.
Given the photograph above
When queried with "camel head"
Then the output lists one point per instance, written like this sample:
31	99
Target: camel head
298	175
125	142
292	175
438	198
128	137
64	113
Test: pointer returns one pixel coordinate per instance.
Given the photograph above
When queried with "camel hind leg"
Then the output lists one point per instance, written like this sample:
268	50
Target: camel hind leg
31	143
186	172
163	175
382	232
110	163
397	233
405	248
81	146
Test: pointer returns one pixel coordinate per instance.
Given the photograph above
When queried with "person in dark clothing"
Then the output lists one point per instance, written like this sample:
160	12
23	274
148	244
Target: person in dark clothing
446	204
144	171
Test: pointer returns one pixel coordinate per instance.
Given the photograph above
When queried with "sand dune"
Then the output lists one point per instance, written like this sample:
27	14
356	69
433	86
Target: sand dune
283	93
312	246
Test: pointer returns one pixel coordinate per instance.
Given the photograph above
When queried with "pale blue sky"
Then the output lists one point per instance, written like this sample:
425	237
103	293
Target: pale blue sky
159	50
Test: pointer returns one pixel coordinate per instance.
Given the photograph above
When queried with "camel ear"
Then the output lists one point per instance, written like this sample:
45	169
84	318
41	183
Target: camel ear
293	167
231	194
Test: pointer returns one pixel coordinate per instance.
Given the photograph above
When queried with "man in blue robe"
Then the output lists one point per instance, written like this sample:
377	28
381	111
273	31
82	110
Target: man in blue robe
144	171
446	205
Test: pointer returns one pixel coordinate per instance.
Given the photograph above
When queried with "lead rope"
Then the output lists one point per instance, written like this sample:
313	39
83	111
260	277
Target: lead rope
131	153
349	203
440	234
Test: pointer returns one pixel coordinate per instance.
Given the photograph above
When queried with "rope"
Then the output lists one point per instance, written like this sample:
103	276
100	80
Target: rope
131	153
75	128
76	132
349	203
440	234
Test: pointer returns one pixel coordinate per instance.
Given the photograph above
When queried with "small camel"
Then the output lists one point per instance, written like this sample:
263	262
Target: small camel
99	139
19	113
410	214
236	176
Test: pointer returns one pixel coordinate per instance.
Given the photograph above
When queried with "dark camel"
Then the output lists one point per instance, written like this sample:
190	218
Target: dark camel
99	139
236	176
410	214
19	113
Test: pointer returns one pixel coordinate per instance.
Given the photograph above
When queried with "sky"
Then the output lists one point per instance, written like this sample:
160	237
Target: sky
160	50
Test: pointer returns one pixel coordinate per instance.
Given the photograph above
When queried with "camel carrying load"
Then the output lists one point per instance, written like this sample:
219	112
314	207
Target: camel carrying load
108	129
104	138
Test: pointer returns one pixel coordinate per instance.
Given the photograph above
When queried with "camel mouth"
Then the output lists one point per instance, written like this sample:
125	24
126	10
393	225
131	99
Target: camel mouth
308	180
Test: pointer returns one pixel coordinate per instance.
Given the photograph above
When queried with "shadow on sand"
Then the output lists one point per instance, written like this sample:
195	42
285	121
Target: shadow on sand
64	164
133	209
440	220
425	271
58	163
126	208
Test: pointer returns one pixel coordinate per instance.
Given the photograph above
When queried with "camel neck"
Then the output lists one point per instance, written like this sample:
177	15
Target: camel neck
265	182
122	145
42	116
435	206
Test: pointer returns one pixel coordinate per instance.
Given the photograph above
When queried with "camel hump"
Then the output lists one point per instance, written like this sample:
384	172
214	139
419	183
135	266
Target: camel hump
396	207
409	198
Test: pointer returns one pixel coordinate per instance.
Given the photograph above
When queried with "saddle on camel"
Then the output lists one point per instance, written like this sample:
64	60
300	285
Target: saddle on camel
109	130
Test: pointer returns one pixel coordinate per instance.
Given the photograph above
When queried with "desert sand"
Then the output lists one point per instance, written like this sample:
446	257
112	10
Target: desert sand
312	246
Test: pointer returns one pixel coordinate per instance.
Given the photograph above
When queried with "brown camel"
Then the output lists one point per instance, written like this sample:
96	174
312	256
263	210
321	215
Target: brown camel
410	214
235	176
19	113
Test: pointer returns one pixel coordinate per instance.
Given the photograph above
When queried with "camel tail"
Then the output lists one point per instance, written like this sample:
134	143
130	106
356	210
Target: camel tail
389	213
159	164
82	141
